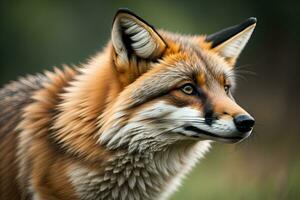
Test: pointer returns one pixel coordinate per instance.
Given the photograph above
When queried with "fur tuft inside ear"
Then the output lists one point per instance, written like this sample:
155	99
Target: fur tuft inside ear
132	35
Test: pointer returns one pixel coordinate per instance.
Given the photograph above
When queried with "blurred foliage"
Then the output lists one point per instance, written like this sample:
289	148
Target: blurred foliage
37	35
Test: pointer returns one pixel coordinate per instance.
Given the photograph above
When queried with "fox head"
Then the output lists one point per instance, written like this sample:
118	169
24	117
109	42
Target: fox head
174	88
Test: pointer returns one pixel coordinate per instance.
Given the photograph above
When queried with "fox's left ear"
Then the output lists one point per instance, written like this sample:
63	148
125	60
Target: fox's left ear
132	36
230	42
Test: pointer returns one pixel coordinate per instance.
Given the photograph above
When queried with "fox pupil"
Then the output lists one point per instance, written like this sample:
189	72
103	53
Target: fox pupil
188	89
226	88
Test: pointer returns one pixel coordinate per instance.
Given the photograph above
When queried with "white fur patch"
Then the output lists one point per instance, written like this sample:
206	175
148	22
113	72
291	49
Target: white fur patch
162	122
143	44
138	176
36	197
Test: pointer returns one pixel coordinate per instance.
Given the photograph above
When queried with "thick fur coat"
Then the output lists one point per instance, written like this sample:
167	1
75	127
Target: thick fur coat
128	124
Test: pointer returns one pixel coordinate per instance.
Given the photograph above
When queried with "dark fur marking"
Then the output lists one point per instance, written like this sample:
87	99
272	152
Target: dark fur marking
209	114
199	131
225	34
127	43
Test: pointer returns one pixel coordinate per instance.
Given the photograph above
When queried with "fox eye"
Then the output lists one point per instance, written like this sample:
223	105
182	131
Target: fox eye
188	89
227	88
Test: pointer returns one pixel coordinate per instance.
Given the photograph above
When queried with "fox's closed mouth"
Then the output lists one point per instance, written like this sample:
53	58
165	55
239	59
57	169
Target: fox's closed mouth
197	130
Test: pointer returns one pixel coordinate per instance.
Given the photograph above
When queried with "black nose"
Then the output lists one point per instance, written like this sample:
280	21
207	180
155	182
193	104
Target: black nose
244	123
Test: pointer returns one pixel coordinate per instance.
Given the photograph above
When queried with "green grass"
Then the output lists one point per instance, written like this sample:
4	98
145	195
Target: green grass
231	173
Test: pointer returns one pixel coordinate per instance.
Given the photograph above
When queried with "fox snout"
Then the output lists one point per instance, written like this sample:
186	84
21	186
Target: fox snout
226	119
225	106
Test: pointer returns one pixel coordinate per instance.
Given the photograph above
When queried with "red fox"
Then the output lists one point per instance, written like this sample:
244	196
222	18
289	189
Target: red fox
128	124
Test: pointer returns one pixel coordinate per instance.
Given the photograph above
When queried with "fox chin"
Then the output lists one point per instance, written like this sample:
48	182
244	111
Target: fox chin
127	124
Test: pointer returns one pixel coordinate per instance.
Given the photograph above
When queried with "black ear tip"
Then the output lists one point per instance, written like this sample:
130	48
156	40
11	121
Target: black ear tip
248	22
124	10
251	20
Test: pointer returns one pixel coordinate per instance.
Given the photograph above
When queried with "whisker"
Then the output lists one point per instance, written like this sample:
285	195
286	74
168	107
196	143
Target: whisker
239	77
246	72
242	66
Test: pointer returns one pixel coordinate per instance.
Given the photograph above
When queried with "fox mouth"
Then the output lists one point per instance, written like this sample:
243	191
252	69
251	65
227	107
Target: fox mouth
213	136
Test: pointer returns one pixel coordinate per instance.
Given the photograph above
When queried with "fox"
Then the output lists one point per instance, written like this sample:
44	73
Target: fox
127	124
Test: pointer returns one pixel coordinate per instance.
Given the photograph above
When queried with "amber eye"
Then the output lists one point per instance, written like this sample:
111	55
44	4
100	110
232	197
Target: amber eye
188	89
227	88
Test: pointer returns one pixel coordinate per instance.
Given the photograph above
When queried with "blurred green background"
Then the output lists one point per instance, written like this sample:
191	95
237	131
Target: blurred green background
37	35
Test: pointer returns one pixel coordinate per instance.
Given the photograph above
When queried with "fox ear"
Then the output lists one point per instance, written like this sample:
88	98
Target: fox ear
133	36
230	42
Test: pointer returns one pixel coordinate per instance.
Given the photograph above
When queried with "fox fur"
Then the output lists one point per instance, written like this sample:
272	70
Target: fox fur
116	127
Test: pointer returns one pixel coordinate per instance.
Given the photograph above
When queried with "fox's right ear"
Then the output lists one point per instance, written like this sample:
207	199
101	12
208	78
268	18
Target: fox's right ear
132	36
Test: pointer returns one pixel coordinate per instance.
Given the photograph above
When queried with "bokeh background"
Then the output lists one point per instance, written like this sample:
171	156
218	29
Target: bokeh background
37	35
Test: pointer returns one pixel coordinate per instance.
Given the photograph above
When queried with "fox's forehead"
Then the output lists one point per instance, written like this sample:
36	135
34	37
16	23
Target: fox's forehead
191	56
